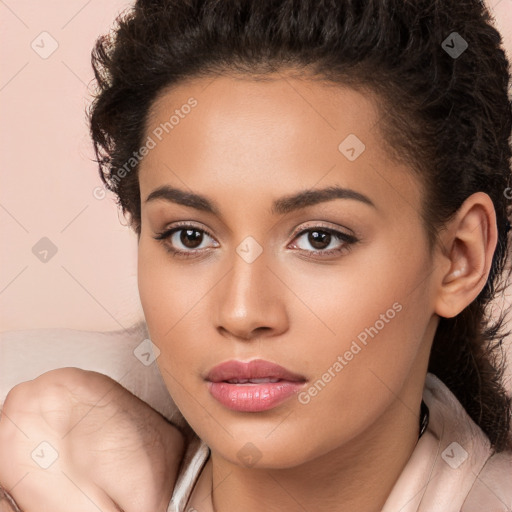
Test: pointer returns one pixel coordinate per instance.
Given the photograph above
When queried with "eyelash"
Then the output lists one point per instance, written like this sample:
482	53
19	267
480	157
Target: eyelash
348	240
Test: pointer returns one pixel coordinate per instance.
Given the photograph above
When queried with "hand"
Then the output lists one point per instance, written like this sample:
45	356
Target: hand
103	448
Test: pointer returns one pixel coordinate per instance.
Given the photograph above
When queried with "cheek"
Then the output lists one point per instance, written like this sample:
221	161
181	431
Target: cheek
163	305
152	285
366	296
175	306
166	294
378	314
163	301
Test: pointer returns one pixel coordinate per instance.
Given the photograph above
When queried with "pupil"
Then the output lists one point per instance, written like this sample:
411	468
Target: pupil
189	237
319	237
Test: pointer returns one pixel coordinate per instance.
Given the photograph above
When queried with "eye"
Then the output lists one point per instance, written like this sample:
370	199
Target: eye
324	241
184	240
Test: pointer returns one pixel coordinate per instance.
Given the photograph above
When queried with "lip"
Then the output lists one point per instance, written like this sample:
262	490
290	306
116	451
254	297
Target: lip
255	369
252	397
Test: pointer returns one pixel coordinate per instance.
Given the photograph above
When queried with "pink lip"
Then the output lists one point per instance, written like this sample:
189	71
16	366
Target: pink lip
255	369
252	397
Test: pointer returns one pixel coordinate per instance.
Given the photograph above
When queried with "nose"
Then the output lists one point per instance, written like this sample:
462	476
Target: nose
249	301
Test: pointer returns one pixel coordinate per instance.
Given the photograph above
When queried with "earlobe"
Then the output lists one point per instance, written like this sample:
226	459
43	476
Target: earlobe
471	240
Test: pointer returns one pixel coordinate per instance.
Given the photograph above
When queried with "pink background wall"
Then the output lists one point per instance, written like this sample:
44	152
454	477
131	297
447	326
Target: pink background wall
48	177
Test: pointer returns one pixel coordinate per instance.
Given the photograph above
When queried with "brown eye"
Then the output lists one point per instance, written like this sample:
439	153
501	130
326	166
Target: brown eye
319	239
191	238
185	240
322	241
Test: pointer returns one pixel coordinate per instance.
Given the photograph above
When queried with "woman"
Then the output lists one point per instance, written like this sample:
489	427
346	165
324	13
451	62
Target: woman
321	196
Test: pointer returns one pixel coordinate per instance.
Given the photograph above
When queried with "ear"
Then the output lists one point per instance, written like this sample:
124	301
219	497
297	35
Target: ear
469	243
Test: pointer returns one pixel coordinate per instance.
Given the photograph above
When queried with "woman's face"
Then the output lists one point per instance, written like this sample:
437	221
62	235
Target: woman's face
336	288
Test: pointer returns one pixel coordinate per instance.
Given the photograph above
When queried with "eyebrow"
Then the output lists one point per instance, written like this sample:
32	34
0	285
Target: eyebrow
281	206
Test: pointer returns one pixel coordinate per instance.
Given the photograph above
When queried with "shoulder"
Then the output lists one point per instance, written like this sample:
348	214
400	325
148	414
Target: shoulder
492	489
479	477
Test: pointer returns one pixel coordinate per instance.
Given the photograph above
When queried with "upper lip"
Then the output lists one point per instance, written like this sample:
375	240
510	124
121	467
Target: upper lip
255	369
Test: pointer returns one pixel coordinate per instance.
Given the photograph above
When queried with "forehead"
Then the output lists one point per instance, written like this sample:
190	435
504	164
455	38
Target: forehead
280	104
261	136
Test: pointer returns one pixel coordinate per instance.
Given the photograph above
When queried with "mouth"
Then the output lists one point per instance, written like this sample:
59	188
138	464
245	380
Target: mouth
254	386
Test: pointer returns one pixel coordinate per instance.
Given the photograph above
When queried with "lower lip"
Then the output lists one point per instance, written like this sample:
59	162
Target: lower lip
253	397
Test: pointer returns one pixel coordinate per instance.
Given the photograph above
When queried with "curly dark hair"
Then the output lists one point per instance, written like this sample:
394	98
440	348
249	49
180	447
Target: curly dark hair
447	115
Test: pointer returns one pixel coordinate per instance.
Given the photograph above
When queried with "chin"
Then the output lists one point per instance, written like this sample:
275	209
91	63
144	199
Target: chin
260	452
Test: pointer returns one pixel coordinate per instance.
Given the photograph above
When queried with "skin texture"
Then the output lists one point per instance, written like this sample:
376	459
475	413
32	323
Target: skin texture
246	144
114	451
